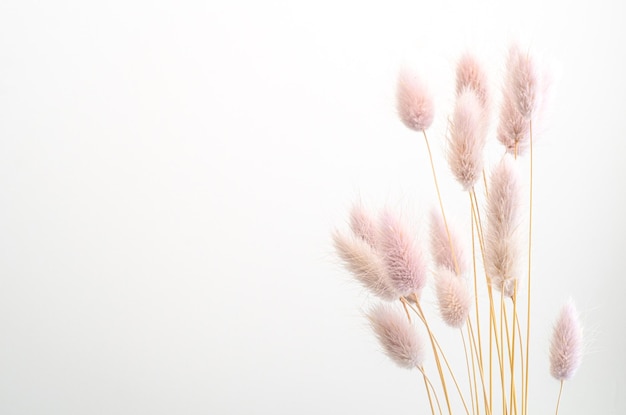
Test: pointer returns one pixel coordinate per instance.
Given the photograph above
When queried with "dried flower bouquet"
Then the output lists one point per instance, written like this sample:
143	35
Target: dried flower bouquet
381	252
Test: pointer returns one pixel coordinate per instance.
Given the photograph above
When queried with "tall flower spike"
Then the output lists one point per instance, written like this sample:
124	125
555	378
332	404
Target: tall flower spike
440	248
405	265
566	348
453	296
397	335
502	248
365	264
363	224
466	140
414	103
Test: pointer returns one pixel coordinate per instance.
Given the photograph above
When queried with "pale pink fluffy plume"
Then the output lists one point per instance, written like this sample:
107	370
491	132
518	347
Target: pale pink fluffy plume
566	348
453	297
470	74
398	337
466	140
502	246
363	224
360	258
513	130
526	93
522	81
440	248
414	104
404	261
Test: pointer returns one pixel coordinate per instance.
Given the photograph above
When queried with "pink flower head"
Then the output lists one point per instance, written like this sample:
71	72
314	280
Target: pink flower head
363	224
466	140
470	74
502	248
453	296
566	348
360	258
405	264
414	103
398	336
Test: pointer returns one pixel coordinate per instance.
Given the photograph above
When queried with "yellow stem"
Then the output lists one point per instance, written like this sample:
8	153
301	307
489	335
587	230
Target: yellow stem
558	401
437	361
521	353
501	350
406	310
482	375
469	373
480	347
530	231
430	386
443	213
430	399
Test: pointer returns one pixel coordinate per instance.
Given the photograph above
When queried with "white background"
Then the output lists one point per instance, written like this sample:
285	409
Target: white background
170	174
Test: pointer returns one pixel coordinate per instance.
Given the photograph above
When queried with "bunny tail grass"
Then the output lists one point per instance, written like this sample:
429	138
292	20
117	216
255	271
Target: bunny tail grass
365	264
453	297
566	347
414	104
502	248
397	336
466	140
405	264
523	82
470	74
363	224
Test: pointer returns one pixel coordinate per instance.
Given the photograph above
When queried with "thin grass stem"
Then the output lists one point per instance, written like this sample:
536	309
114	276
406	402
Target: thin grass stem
530	231
443	213
558	401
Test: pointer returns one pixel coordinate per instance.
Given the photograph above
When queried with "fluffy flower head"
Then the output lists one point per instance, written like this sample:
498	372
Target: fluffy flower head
453	297
405	264
414	102
398	337
566	348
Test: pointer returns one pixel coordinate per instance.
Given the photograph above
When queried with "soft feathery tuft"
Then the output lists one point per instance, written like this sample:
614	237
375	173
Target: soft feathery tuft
566	348
502	247
466	140
360	258
470	74
453	296
513	130
397	335
440	248
363	224
524	93
415	104
405	264
522	82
